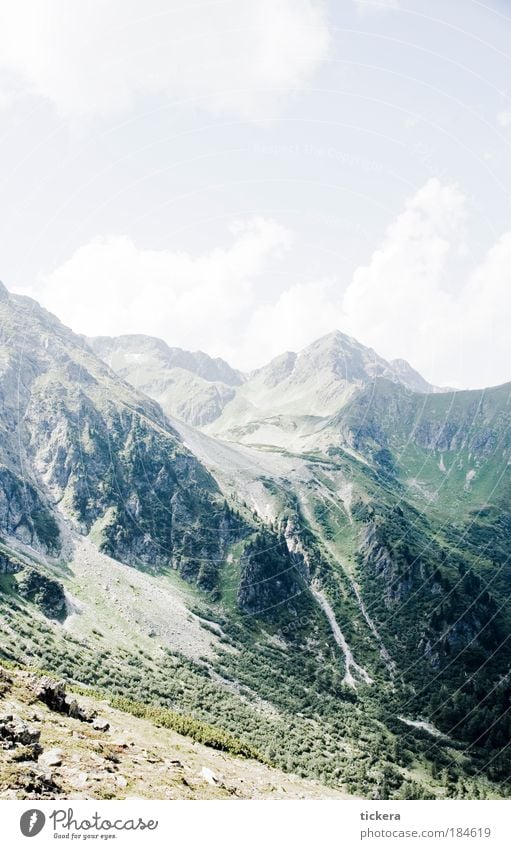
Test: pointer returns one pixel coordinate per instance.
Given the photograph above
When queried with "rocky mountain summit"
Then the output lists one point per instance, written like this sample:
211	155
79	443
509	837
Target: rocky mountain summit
192	386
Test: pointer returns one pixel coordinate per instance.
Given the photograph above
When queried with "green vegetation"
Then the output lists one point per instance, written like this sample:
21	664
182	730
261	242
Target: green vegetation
188	726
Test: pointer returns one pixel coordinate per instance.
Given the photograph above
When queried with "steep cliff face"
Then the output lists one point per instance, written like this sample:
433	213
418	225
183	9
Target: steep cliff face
25	512
476	422
271	576
433	602
77	438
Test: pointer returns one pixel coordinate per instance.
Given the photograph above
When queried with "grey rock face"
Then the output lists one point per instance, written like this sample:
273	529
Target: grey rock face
9	565
12	728
189	385
25	513
44	592
53	694
76	434
120	349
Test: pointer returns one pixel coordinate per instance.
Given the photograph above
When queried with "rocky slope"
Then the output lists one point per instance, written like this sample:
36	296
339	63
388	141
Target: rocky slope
289	393
287	402
191	386
77	442
45	753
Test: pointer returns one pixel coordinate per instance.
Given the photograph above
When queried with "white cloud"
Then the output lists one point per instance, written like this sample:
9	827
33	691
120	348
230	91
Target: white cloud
504	118
400	303
485	310
240	56
111	286
295	318
397	300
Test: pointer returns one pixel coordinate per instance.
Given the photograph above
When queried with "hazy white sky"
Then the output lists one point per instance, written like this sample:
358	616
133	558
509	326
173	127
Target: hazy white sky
244	176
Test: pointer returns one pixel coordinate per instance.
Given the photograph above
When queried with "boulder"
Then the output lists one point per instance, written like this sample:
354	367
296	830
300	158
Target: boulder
77	711
209	776
52	693
19	737
14	731
51	757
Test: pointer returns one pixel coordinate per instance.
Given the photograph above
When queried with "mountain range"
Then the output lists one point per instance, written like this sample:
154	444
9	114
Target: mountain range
313	557
204	391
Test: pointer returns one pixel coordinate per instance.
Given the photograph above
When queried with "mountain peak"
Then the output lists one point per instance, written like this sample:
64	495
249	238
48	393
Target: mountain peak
336	335
128	349
354	362
335	339
343	356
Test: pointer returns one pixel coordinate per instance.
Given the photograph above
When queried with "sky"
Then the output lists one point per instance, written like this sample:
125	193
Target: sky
244	176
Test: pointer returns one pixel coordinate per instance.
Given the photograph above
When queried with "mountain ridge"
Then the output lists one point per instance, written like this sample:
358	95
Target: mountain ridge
307	593
206	392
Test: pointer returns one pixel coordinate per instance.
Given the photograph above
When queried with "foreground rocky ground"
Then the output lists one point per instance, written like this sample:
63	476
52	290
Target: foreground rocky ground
53	745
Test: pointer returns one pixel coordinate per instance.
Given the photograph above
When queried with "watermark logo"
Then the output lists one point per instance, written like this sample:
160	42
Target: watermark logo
32	822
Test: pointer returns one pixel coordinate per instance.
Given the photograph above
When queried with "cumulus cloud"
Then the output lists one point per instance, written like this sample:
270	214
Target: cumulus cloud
111	286
97	58
398	300
485	315
402	303
293	319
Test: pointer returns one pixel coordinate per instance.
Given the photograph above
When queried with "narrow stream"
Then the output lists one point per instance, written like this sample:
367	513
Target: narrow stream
340	639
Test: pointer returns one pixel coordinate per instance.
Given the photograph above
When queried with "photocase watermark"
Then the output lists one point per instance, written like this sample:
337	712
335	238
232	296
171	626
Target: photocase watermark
295	625
66	825
318	151
32	822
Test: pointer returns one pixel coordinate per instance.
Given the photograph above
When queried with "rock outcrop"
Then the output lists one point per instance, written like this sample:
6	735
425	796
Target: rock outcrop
48	595
53	694
9	565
